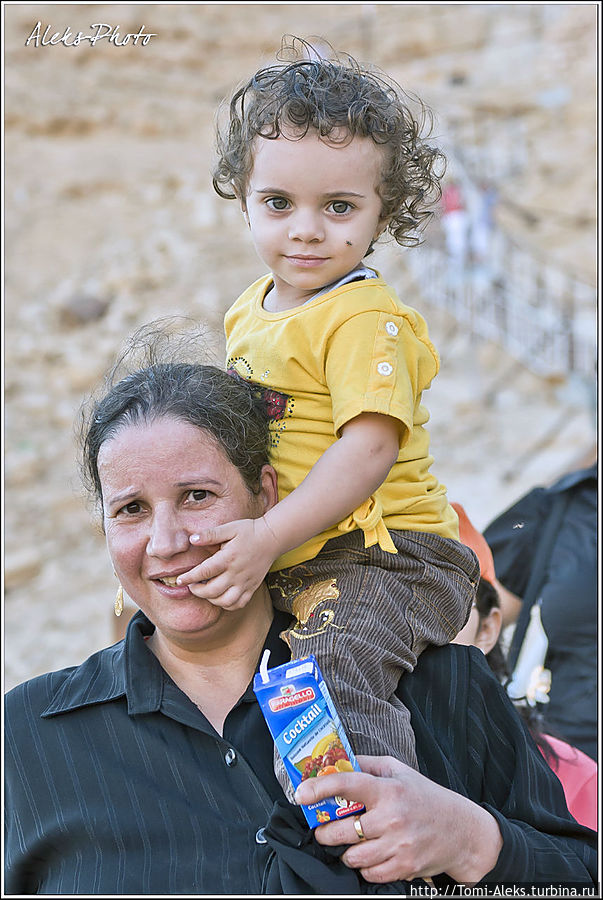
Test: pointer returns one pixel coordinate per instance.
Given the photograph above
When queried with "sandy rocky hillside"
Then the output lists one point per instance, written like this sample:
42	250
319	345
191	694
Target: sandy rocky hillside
110	221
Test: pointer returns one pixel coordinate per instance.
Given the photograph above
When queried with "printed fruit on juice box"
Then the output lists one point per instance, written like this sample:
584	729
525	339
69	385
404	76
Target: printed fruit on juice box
302	763
329	770
323	743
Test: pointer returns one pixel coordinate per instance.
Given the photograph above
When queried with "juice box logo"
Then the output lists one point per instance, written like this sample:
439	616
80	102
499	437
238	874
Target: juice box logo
277	704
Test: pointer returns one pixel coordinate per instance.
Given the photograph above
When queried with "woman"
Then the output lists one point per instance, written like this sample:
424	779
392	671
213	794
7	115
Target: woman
148	769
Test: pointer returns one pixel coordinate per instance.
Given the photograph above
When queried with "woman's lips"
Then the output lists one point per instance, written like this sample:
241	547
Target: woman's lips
169	588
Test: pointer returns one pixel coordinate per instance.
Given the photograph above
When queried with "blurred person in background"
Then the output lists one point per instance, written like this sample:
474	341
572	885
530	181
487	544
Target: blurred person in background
576	771
481	210
545	551
455	222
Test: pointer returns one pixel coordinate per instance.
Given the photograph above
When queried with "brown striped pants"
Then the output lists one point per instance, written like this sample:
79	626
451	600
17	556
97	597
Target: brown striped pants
366	615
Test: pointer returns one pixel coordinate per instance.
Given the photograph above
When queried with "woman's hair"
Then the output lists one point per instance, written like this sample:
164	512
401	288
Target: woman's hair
339	99
487	599
223	406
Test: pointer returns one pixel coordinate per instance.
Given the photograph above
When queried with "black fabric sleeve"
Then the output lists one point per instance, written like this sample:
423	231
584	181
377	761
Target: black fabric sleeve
470	739
510	778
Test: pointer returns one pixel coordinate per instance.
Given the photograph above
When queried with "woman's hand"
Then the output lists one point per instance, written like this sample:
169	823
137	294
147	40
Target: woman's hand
414	828
230	577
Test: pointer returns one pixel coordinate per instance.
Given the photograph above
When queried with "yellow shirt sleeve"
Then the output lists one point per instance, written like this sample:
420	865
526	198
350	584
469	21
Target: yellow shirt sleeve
377	362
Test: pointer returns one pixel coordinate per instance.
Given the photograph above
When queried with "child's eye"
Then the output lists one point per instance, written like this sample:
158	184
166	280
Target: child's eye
277	203
340	207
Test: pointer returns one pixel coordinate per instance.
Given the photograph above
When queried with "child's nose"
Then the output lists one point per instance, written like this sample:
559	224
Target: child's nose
306	226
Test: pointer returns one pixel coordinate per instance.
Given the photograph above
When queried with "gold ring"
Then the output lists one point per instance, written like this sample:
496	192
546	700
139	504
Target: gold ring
358	828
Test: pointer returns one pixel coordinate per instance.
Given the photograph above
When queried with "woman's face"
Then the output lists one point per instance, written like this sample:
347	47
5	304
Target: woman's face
163	481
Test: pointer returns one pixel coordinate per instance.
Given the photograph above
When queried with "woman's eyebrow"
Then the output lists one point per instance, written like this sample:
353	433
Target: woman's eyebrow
199	479
129	494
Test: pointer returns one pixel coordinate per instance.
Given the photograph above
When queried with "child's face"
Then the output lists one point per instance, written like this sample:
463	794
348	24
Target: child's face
313	210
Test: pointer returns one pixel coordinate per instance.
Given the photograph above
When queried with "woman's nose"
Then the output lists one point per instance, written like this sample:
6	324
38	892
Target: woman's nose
305	226
167	536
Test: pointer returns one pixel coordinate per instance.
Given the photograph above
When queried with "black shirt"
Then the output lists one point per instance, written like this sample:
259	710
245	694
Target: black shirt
568	592
117	784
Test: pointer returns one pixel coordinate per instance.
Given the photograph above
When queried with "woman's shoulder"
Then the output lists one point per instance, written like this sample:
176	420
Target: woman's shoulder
37	692
65	688
461	662
454	678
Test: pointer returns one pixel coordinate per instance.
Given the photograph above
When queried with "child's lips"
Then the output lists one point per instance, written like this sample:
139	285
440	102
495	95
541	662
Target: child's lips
307	261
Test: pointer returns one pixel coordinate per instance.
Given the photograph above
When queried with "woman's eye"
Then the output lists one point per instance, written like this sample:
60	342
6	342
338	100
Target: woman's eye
131	509
341	206
277	203
198	495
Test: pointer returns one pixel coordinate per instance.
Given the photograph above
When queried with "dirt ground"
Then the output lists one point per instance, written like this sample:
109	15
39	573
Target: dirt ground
111	221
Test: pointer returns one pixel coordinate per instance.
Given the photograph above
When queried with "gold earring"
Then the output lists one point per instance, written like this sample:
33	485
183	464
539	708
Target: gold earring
119	601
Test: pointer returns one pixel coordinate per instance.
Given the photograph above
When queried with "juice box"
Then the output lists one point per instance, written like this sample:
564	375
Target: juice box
307	731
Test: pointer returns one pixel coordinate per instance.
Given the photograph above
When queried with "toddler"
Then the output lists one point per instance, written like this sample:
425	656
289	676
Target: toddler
362	548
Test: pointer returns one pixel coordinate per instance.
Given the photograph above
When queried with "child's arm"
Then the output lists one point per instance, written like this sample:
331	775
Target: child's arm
340	481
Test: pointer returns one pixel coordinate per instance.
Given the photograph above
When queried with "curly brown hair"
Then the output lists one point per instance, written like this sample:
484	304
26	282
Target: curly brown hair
336	96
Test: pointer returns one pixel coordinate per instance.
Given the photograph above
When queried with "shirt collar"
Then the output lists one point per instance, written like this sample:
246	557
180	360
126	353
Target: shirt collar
129	669
357	274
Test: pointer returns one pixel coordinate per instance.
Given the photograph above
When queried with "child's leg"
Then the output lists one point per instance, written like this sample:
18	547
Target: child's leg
366	615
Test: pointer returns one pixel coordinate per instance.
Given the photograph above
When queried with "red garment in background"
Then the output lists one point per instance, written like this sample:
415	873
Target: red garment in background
577	772
471	537
452	198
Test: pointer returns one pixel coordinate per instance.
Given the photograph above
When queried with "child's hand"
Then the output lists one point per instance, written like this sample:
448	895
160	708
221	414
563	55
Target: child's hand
232	575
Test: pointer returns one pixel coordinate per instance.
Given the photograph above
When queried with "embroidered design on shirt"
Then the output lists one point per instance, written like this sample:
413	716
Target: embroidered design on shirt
277	405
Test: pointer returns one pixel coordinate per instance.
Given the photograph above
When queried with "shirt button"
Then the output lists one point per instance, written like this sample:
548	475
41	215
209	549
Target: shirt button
385	368
391	328
230	757
259	837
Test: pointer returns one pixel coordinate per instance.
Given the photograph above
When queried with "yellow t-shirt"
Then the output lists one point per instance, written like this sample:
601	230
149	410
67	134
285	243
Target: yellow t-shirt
355	349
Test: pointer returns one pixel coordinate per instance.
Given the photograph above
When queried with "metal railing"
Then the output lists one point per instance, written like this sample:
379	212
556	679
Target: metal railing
541	314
